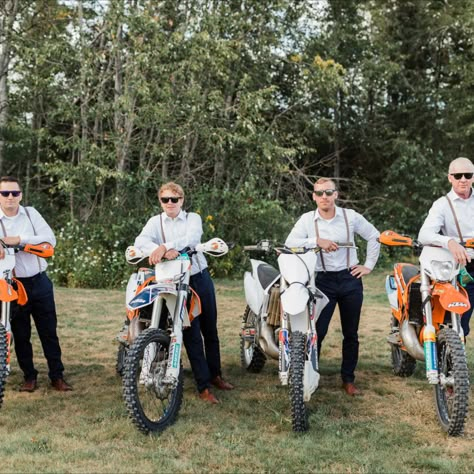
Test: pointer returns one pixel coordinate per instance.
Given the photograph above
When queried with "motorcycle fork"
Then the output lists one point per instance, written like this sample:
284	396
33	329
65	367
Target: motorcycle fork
176	339
429	333
312	338
283	345
6	309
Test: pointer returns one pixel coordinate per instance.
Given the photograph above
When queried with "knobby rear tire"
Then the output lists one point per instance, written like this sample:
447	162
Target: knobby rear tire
150	412
252	357
121	358
3	361
452	398
403	364
297	360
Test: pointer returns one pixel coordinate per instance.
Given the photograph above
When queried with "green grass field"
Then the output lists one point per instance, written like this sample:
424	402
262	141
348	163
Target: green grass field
392	427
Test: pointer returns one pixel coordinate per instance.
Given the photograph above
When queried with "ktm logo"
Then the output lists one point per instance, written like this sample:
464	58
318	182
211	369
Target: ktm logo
457	304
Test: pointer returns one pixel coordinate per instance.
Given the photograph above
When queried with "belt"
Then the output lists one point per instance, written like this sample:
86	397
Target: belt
32	278
322	272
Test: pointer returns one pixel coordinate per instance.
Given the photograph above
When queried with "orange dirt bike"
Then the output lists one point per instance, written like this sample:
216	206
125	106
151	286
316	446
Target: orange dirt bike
11	290
427	303
160	304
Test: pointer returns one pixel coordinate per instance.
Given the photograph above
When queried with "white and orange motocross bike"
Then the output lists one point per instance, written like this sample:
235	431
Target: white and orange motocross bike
12	290
280	321
427	303
160	304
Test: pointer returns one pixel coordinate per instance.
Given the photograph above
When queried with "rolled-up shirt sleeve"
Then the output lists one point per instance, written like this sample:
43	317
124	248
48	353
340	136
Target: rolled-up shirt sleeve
43	232
368	232
430	230
149	238
300	235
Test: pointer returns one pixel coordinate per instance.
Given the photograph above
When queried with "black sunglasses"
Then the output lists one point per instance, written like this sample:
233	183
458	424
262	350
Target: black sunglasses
460	175
166	200
329	192
5	194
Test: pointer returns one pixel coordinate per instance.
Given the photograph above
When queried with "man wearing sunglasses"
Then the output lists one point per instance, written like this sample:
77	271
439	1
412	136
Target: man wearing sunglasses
339	274
451	220
25	225
162	237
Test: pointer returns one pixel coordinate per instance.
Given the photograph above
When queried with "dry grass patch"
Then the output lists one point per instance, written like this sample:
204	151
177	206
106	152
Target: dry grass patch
392	427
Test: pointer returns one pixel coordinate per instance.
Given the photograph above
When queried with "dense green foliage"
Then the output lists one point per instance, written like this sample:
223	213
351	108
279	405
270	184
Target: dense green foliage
242	102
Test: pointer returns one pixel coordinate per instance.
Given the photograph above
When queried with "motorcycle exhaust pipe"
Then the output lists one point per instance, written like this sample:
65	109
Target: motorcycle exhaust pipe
410	341
267	341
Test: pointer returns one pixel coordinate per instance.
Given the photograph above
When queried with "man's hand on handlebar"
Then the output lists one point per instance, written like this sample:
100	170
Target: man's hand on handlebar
459	252
327	245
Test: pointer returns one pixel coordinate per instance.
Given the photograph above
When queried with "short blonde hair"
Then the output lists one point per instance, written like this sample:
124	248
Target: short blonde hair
460	165
325	180
172	187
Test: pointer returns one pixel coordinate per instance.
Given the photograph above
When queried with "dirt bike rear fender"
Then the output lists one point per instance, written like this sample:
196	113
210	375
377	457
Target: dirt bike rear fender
253	293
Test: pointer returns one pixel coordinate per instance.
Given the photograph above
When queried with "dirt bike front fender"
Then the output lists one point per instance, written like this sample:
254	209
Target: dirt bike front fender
149	294
451	298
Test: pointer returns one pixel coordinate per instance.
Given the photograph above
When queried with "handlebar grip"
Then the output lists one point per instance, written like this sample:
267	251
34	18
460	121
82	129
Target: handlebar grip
251	247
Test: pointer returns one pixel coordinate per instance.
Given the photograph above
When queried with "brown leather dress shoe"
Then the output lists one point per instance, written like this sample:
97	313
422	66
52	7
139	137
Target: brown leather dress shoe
60	385
221	384
350	389
208	396
28	386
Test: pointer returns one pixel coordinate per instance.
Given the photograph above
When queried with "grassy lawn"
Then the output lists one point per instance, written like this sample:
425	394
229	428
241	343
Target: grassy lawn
392	427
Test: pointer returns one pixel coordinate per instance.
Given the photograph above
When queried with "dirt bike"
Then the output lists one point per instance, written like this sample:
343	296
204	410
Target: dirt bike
11	290
159	304
280	321
427	303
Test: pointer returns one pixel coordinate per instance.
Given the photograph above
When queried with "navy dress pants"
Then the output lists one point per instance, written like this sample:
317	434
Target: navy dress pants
347	292
201	339
42	308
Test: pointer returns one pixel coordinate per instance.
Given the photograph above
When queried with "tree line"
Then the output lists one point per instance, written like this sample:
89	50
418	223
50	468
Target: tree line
245	103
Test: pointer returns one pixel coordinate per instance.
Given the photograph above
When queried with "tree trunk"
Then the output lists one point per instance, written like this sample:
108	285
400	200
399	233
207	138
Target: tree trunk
8	11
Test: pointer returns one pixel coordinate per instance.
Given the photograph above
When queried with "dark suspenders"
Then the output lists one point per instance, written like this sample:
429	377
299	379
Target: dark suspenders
34	232
348	238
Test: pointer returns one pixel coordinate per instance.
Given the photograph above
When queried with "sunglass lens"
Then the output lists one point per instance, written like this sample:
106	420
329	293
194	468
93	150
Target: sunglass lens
458	176
166	200
7	193
328	192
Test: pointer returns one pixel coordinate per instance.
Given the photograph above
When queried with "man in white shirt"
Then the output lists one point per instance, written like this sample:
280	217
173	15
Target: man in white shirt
162	237
25	225
451	220
339	274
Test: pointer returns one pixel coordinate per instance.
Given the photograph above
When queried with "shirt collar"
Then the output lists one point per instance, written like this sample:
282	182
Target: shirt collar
338	213
453	196
180	217
20	211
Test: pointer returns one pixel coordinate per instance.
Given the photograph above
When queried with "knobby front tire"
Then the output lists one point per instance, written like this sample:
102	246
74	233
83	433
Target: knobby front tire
151	404
452	393
3	360
297	359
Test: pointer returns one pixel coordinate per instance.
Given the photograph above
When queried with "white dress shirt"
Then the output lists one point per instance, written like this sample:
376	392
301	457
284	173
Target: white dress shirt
28	265
185	230
303	234
441	219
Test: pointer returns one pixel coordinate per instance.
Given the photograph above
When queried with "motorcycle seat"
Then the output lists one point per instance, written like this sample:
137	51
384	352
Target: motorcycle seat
266	274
